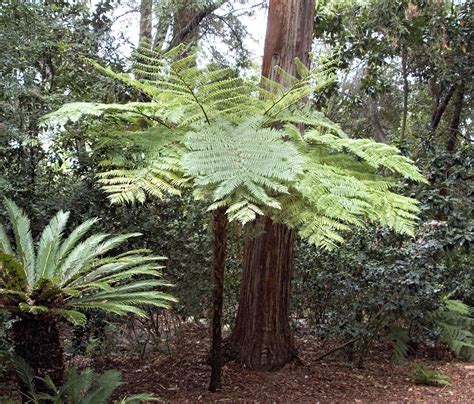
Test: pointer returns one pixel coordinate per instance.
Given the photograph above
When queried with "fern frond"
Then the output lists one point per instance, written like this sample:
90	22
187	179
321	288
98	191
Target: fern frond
244	161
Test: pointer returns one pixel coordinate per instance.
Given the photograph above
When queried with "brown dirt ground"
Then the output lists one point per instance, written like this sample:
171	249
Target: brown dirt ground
183	377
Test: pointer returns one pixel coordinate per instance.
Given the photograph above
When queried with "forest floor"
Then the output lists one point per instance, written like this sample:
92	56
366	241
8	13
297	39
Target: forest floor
184	376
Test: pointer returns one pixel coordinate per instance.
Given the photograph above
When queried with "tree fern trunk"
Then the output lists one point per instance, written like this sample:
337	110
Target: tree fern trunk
37	341
219	229
262	337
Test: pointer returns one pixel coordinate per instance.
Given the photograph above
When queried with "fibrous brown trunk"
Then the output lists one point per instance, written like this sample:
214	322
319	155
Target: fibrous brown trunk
262	337
38	342
220	236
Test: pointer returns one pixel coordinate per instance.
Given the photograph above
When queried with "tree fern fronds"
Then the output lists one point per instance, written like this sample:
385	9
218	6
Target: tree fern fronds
373	153
131	186
395	211
241	160
311	119
75	111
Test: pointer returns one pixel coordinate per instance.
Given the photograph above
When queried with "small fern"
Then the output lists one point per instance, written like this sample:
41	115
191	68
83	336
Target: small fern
456	322
428	377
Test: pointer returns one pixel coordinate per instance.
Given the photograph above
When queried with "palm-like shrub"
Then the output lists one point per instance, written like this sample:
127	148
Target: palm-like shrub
62	277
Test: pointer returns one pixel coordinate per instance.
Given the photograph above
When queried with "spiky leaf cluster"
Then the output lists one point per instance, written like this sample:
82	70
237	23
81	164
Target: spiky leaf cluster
64	275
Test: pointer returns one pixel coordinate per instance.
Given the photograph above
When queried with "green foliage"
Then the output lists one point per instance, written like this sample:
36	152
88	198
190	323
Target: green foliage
86	387
428	377
456	322
239	163
63	276
241	166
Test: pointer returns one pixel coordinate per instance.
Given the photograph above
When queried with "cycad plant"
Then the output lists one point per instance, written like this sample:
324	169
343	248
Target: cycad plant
62	276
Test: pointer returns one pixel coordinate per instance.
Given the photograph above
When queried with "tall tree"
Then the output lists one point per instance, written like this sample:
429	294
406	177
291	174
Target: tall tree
262	337
146	18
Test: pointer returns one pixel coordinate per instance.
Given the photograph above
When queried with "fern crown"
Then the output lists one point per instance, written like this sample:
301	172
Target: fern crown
239	144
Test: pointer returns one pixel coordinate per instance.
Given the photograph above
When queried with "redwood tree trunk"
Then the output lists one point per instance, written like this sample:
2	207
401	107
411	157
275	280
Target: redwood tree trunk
37	341
219	229
262	337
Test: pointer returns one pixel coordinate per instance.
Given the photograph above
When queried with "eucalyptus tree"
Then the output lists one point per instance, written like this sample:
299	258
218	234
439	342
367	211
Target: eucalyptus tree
404	61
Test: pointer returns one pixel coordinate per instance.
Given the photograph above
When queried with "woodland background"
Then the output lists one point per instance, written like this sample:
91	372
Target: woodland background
403	77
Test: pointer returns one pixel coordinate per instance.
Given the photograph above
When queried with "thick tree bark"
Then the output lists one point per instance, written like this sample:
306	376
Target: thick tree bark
455	120
262	336
38	342
219	229
146	21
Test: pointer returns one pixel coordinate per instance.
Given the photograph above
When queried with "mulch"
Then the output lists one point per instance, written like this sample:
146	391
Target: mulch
183	377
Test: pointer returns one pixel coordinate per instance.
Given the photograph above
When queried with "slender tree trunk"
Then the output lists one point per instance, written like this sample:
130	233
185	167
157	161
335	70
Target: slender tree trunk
220	233
438	114
405	91
262	337
37	341
455	120
146	21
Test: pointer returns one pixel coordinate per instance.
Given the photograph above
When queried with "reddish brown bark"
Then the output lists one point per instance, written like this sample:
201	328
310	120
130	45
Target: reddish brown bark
219	229
262	337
